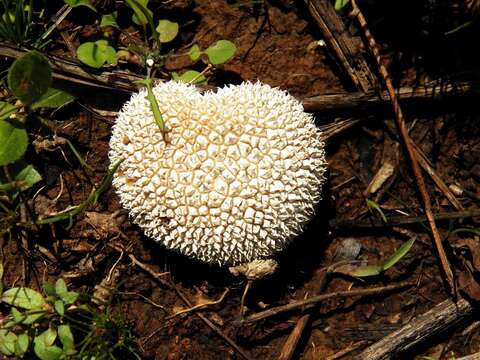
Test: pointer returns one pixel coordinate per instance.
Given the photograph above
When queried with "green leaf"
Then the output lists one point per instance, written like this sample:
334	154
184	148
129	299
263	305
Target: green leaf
53	98
97	53
109	20
369	270
75	3
372	205
13	141
190	76
23	297
220	52
92	199
27	318
66	337
7	342
6	110
49	289
21	346
68	297
475	231
33	318
374	270
18	317
29	77
340	4
399	254
168	30
59	307
61	287
140	11
195	52
42	345
27	177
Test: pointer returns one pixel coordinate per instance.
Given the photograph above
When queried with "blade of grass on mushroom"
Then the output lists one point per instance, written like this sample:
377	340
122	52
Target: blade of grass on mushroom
153	103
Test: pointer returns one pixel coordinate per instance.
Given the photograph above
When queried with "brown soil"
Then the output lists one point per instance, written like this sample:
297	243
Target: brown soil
278	50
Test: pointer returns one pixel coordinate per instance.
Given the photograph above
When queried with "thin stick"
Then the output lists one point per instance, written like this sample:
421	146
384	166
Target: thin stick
307	303
200	306
407	142
398	220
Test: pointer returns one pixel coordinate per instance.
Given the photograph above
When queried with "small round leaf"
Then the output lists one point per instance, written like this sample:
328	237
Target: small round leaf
168	30
97	53
195	52
29	77
220	52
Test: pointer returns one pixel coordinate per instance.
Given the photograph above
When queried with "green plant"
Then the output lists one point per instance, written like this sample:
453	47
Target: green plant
29	79
374	207
340	4
16	20
96	54
374	270
60	324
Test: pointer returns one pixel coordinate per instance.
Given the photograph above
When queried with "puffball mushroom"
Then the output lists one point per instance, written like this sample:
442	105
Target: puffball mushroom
238	179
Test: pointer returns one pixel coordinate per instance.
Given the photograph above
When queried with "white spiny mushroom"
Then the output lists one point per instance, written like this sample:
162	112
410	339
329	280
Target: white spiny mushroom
237	181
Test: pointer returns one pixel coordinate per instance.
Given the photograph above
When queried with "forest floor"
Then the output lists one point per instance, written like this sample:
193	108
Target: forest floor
277	42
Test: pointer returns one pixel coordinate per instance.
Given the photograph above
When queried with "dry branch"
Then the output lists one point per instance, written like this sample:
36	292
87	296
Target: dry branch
65	69
397	220
345	47
434	91
69	70
420	329
314	300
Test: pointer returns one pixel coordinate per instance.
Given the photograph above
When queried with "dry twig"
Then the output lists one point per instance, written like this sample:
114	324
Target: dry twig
339	40
200	306
340	225
418	330
308	303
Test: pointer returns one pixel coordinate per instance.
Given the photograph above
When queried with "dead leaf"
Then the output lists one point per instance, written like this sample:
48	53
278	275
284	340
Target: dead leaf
469	286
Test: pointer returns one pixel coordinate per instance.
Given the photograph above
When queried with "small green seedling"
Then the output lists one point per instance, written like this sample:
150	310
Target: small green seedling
16	21
374	207
60	324
218	53
96	54
340	4
167	30
375	270
109	20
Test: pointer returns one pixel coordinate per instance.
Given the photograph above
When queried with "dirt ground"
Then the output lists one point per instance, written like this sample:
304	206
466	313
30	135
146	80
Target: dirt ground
276	44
